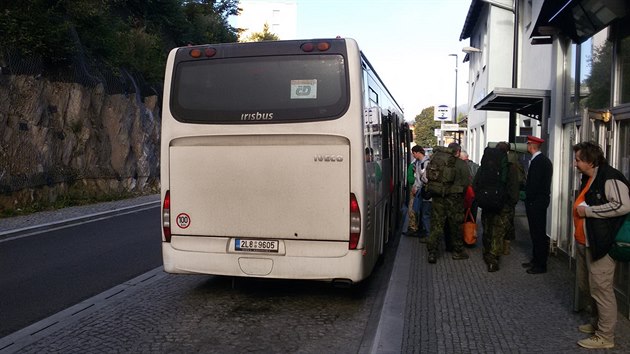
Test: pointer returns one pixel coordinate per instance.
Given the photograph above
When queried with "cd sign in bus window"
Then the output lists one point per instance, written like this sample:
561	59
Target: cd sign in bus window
303	89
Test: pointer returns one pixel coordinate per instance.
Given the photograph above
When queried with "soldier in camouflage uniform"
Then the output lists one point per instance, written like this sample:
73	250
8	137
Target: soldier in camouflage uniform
497	225
447	209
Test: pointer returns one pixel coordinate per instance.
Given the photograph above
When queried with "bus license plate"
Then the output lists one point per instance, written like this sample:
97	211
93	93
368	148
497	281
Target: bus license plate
256	245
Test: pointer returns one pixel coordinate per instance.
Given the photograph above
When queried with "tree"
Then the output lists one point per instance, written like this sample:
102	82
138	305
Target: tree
424	128
265	35
598	82
124	35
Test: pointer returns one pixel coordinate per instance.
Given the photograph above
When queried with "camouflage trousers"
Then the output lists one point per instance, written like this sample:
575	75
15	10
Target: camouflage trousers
446	211
497	226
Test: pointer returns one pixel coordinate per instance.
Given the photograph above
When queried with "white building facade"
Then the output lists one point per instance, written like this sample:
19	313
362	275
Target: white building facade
562	74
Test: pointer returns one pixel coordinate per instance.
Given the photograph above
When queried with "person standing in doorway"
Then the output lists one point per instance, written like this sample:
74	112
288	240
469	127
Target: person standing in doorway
598	212
414	184
537	197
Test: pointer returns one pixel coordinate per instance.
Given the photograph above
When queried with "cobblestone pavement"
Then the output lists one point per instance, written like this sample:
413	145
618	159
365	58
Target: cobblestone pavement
190	314
458	307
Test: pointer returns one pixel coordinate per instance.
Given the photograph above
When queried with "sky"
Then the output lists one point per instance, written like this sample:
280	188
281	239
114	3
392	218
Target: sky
407	41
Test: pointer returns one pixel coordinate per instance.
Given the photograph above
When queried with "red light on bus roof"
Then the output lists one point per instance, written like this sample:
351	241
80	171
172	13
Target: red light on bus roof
199	52
323	46
308	47
210	52
195	53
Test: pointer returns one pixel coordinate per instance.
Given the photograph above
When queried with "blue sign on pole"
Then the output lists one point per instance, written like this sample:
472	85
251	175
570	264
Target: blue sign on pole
442	113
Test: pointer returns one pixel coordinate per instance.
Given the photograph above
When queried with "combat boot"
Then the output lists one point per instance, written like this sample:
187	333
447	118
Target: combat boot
506	247
460	255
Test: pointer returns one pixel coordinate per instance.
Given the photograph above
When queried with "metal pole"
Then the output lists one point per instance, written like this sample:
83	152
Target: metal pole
456	67
515	45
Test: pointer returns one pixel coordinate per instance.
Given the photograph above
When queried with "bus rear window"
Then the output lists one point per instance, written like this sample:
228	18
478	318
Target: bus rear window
267	89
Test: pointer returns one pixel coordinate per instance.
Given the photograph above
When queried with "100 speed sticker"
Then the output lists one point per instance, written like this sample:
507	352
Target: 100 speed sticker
183	220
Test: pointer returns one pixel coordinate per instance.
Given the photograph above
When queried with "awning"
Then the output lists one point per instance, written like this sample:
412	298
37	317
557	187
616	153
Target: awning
529	102
578	19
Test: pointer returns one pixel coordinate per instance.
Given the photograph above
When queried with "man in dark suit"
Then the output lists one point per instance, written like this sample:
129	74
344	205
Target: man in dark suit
537	195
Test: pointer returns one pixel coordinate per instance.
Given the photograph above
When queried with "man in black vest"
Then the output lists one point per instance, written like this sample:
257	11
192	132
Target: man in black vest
537	196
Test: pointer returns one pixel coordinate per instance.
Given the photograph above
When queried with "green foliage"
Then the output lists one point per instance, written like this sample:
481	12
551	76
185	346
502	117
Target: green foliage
424	128
265	35
598	82
132	34
141	51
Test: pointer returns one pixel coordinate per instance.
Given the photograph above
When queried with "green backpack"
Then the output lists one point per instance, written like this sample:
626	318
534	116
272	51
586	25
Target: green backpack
441	171
620	250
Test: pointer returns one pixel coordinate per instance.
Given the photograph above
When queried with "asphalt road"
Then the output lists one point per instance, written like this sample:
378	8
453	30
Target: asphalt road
46	272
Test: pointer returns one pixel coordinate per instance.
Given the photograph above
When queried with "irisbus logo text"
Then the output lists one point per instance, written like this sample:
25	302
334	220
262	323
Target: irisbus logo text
257	116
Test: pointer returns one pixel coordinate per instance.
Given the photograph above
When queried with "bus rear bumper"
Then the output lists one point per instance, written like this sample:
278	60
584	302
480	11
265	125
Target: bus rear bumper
350	265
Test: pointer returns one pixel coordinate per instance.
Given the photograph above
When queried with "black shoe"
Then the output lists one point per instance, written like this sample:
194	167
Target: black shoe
432	258
536	270
527	265
493	267
460	255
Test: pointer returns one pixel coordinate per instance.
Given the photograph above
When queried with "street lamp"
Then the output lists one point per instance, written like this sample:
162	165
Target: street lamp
469	50
456	64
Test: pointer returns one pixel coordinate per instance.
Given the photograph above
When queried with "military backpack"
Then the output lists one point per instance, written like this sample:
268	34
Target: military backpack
490	182
441	171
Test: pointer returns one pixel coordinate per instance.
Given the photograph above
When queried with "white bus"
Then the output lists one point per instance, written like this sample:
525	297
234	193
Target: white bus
279	159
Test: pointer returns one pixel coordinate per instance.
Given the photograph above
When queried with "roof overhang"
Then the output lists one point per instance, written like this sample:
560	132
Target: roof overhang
529	102
578	19
471	19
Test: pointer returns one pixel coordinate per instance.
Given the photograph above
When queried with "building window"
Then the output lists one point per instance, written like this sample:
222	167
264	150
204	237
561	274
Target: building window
572	62
595	79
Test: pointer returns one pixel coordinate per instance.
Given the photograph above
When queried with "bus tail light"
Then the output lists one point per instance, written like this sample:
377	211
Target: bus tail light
208	52
355	222
166	216
310	46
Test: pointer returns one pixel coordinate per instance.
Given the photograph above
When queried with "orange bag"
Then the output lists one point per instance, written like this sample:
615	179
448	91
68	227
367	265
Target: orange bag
469	229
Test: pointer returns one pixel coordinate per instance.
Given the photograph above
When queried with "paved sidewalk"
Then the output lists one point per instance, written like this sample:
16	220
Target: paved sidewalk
458	307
